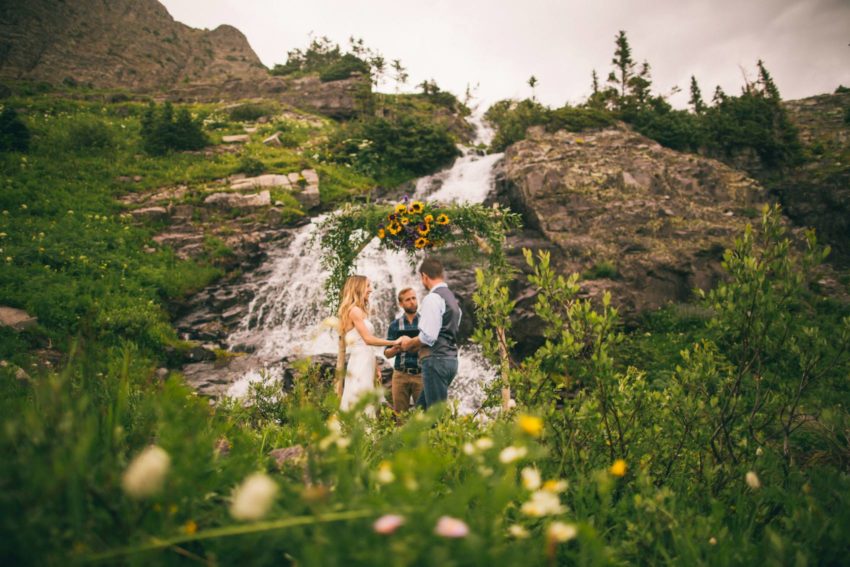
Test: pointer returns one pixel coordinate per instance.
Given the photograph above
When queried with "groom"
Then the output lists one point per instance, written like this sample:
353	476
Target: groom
439	318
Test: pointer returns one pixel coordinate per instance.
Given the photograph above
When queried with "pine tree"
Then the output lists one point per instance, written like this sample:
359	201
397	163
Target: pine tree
719	96
639	86
623	63
594	85
768	87
14	134
532	82
696	102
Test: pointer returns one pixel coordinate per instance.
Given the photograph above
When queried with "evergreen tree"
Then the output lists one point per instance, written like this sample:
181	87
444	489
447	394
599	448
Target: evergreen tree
594	84
719	96
624	65
696	102
768	87
14	134
400	75
532	82
639	87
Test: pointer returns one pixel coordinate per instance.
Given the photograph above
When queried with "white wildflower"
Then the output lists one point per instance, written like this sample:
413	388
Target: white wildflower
530	478
511	454
561	532
146	473
753	480
253	498
543	503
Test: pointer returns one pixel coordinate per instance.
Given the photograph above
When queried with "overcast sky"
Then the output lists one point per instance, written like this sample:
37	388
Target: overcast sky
499	44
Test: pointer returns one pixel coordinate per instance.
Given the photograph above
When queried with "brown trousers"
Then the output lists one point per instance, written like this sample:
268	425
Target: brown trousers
404	386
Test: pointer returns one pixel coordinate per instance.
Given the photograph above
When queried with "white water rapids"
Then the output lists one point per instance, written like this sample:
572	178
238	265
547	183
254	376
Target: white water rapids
287	313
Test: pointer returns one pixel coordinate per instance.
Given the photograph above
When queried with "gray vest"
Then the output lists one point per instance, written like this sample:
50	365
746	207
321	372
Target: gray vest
446	344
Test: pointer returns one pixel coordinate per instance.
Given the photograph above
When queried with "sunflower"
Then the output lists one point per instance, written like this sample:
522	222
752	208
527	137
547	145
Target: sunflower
423	229
422	242
394	228
401	208
442	219
429	219
381	233
415	207
405	220
392	216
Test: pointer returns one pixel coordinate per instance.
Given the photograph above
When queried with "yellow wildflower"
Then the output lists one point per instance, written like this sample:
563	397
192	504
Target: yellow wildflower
401	208
618	468
405	220
531	424
190	527
429	218
442	219
381	233
421	242
423	229
415	207
394	228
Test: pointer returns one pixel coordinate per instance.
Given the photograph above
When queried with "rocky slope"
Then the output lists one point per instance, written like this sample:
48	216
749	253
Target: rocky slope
818	193
647	223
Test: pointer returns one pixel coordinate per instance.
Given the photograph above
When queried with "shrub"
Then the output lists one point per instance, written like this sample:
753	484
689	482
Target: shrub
345	67
87	133
251	111
162	132
251	166
14	134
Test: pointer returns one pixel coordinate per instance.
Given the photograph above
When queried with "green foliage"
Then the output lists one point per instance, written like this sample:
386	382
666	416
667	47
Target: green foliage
343	68
163	132
14	134
392	151
603	269
89	134
251	166
251	111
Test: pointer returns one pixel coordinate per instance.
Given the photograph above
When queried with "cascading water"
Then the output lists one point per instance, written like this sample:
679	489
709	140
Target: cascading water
287	313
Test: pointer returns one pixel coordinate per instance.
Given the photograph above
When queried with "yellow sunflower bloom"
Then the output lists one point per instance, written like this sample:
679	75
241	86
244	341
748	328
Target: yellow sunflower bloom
405	220
381	233
423	229
394	228
429	218
421	242
442	219
401	208
415	207
618	468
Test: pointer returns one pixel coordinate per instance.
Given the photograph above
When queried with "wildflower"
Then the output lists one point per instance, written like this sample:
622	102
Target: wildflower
388	523
400	208
555	486
385	472
394	228
484	443
429	219
451	527
511	454
618	468
469	448
422	242
190	527
253	498
753	480
415	207
542	503
146	473
530	478
423	229
561	532
518	531
442	219
712	541
531	424
404	220
381	233
759	452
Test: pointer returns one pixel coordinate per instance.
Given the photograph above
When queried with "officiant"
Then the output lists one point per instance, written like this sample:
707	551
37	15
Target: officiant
407	373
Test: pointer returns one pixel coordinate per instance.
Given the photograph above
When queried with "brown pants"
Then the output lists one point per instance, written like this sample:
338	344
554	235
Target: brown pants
404	386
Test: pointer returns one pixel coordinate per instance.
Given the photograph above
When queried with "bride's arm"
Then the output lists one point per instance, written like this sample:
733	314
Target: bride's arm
370	339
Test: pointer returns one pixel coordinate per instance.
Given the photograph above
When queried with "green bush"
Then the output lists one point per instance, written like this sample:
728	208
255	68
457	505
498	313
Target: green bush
163	132
89	134
14	134
344	68
251	111
251	166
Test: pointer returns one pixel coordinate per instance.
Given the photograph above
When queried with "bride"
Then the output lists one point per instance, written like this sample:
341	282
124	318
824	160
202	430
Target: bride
354	325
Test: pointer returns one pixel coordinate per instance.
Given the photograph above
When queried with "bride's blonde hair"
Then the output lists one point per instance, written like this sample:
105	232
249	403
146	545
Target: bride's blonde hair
353	295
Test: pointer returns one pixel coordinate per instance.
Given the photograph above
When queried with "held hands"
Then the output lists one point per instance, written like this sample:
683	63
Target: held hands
403	341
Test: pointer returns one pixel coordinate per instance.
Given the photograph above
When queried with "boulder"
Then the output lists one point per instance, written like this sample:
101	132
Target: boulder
267	180
236	139
151	213
16	319
239	201
308	195
644	222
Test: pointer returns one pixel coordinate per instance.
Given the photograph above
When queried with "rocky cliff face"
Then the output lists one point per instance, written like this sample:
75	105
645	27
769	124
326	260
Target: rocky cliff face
818	194
129	43
647	223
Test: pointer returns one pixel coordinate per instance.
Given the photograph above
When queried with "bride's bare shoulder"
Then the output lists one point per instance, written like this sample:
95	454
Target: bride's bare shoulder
356	313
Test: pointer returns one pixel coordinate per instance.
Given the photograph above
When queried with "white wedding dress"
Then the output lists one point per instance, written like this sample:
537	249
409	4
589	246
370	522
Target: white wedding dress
360	370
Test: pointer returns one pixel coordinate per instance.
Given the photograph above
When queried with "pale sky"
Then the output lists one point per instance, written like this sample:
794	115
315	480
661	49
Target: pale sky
499	44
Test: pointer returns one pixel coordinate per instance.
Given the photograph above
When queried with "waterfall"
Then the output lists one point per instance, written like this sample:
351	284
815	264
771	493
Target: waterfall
286	316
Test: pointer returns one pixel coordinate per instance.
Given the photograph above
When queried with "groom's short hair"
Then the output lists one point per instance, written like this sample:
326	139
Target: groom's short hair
431	268
402	292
